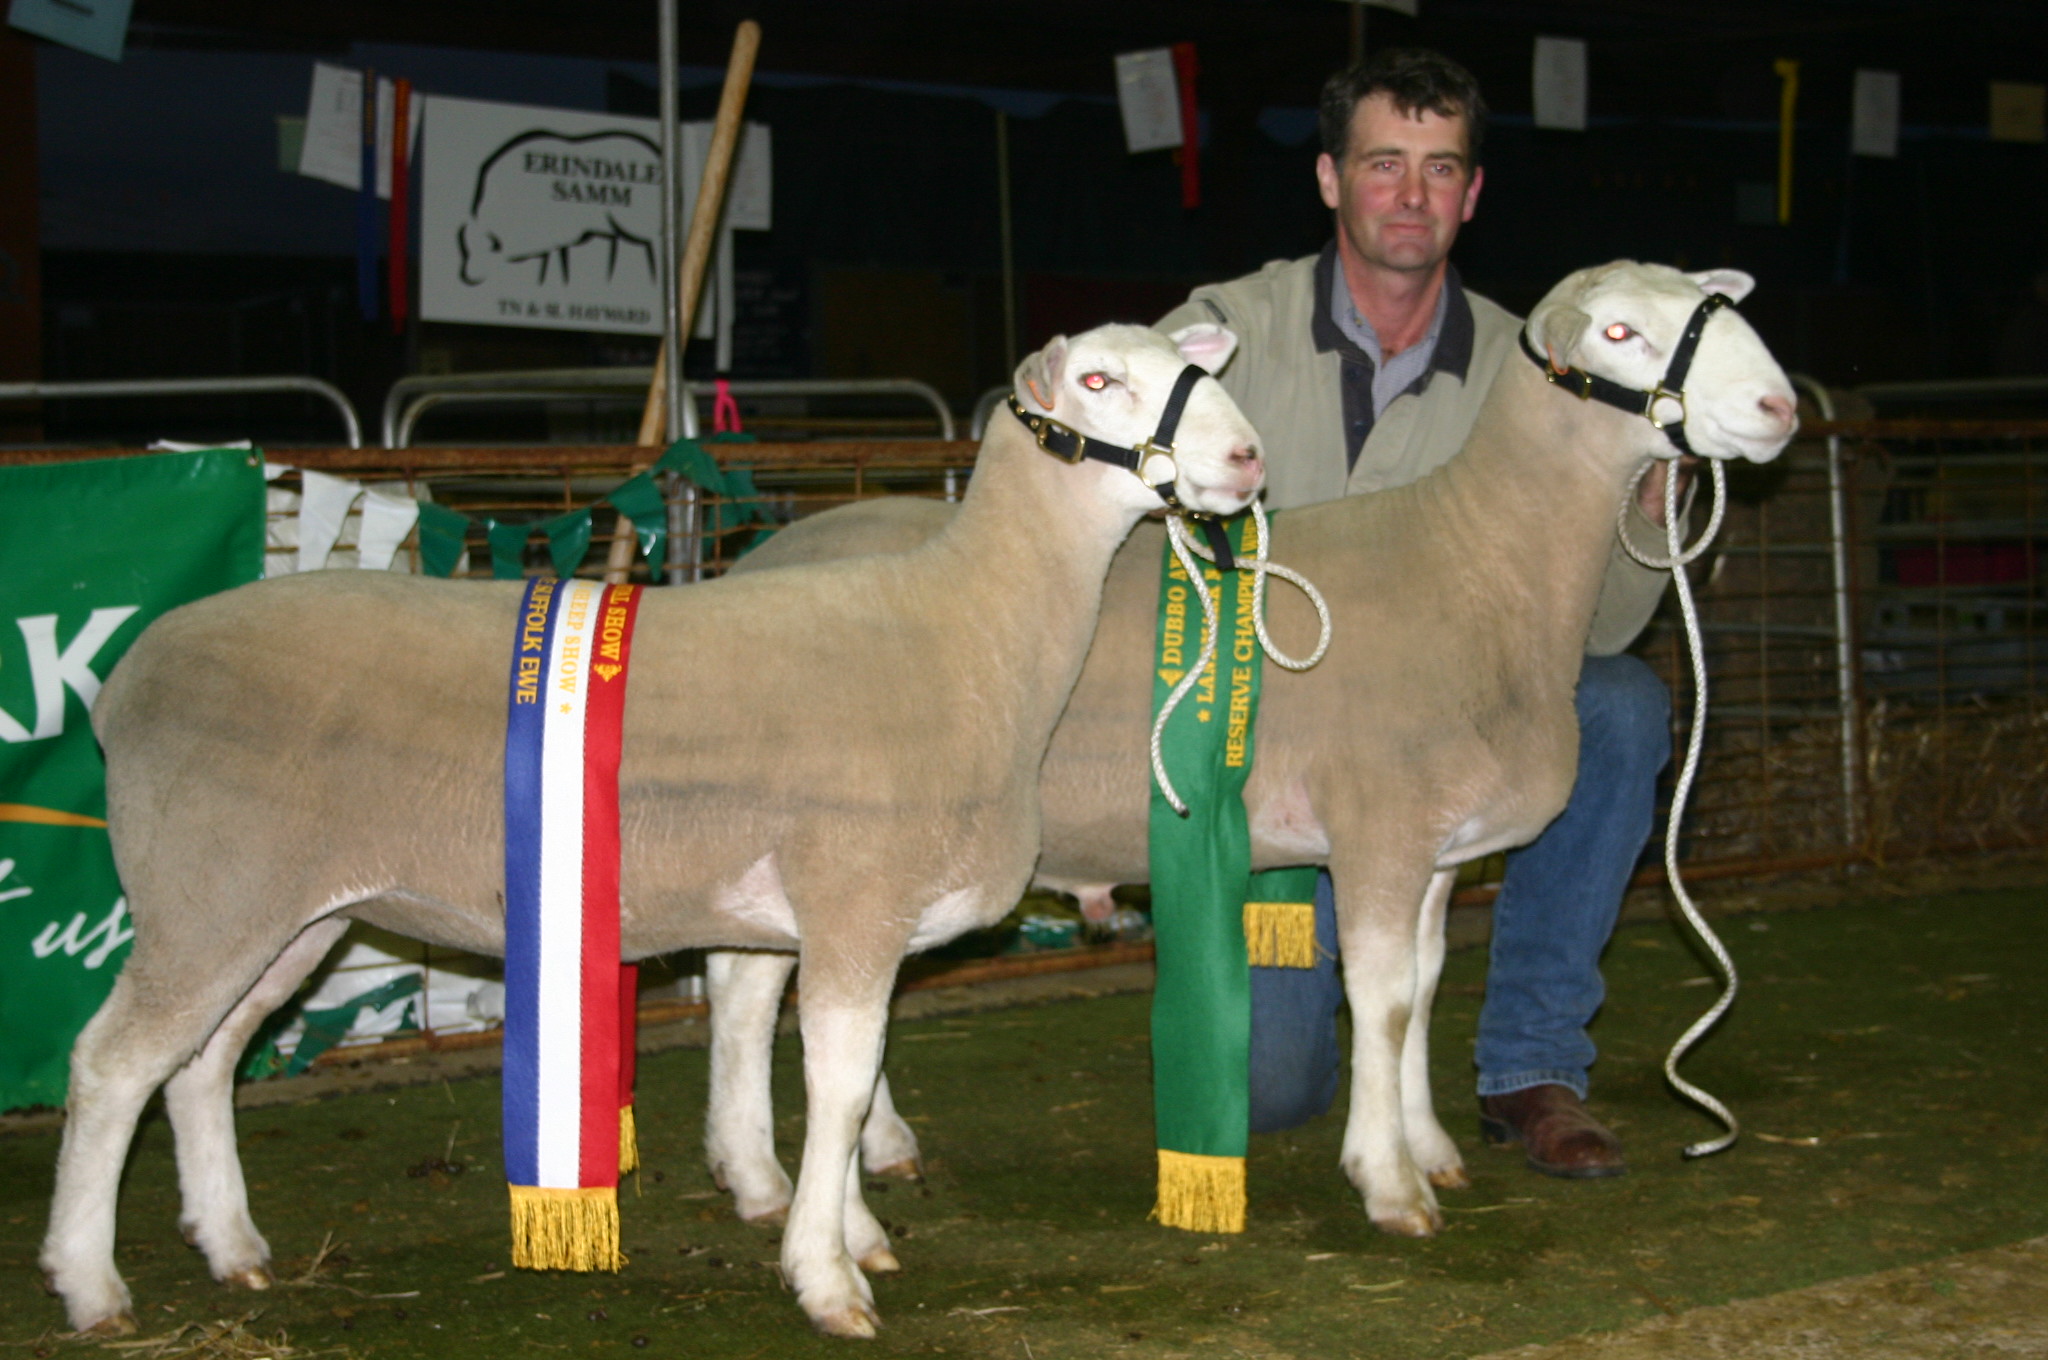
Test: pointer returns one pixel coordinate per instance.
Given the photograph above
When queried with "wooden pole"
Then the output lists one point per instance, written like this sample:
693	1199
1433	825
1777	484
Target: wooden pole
725	135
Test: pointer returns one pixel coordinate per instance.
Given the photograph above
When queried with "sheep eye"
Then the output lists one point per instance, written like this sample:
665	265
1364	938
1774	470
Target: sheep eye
1094	382
1618	332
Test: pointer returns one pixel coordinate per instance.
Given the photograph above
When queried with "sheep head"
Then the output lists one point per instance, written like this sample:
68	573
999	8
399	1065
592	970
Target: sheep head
1622	321
1112	384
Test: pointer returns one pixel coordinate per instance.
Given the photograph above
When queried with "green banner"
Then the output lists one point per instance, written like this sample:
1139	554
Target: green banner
90	552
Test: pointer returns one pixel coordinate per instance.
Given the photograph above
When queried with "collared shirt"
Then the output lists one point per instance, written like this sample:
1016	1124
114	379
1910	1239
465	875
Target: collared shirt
1391	377
1367	392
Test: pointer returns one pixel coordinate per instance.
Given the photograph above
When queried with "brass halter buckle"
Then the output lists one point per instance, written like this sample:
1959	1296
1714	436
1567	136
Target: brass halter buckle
1662	393
1147	450
1044	429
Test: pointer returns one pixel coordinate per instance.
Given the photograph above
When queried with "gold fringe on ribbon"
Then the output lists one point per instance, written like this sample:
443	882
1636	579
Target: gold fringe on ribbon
1280	934
565	1229
629	1141
1200	1194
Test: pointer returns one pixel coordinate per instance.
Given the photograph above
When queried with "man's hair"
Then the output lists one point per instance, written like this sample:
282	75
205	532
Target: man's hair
1416	79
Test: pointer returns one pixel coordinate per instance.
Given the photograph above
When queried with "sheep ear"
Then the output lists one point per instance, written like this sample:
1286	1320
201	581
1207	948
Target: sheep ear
1205	344
1039	375
1562	328
1735	284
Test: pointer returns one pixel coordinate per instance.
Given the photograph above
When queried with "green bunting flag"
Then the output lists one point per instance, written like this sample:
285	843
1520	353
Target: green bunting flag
444	532
1206	902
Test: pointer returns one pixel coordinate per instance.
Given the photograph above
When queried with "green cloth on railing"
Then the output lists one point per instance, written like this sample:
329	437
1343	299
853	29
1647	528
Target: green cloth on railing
324	1028
444	532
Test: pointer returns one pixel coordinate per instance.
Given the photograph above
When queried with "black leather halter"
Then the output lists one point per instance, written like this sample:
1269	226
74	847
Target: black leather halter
1072	446
1671	387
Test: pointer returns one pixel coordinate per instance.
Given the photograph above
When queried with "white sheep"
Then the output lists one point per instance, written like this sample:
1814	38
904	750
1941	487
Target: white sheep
841	759
1439	729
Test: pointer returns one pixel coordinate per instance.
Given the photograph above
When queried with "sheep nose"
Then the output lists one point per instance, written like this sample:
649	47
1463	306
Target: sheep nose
1245	460
1779	409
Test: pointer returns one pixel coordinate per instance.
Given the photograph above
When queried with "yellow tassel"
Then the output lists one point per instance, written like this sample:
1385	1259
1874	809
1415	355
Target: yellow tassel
1280	934
629	1141
1201	1194
565	1229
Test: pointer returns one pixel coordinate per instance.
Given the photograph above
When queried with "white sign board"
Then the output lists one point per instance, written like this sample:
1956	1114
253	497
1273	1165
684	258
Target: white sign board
540	217
1560	84
1149	95
1874	123
333	145
551	218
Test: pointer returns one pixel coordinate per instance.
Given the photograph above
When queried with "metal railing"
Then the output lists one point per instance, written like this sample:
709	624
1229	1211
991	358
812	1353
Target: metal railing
411	398
1957	390
984	407
95	389
1876	619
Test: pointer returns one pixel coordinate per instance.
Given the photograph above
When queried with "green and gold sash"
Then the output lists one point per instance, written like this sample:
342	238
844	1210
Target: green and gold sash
1207	904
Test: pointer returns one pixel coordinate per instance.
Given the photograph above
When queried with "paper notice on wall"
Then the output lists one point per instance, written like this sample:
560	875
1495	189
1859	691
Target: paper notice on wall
333	145
749	187
2017	112
1560	84
1407	7
1149	97
99	27
1874	114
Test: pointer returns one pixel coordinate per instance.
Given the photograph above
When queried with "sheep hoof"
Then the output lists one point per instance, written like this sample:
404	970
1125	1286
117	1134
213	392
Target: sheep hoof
1451	1177
190	1232
768	1218
253	1277
1420	1220
880	1261
856	1321
120	1324
909	1169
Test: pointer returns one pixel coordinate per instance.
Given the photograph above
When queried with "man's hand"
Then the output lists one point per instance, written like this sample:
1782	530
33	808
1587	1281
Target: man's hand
1650	495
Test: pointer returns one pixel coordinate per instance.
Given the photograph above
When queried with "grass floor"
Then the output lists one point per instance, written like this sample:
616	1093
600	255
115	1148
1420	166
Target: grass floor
1887	1058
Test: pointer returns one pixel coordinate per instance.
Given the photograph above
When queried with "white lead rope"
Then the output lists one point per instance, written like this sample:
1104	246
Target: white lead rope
1186	549
1677	563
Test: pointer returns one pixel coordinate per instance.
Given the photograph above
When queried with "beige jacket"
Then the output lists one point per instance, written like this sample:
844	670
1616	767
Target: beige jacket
1289	375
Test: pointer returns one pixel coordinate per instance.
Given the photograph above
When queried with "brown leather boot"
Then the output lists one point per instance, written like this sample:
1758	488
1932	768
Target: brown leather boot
1557	1132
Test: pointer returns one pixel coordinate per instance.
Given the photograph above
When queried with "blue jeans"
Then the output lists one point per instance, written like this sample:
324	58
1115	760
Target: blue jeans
1557	907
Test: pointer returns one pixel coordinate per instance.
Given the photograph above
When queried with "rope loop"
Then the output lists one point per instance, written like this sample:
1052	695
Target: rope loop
1678	558
1187	550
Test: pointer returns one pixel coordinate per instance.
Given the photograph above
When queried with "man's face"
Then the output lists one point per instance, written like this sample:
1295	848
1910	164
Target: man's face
1405	186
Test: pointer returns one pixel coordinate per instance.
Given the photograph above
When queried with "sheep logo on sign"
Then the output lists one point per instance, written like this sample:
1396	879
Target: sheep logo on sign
543	198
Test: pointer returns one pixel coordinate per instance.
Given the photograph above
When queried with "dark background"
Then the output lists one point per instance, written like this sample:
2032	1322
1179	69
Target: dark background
148	230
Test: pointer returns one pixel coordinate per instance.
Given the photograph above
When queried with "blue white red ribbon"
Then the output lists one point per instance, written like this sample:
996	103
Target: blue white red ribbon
564	1032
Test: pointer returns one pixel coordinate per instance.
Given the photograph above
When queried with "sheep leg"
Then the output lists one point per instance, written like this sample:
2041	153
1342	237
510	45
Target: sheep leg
199	1099
843	1010
110	1081
169	999
887	1145
1434	1152
739	1124
1377	931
